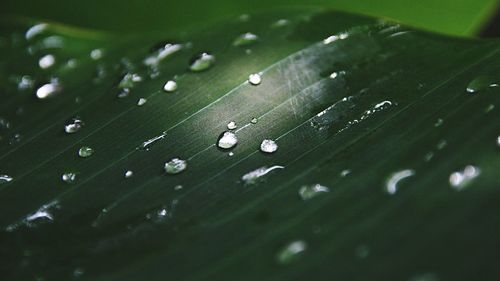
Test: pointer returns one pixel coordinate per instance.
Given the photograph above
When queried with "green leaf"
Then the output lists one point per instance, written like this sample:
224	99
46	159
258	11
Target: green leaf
386	167
462	17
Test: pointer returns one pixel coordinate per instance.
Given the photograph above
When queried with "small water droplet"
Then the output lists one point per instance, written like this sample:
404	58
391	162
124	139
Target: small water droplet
124	93
441	144
85	151
73	126
43	215
307	192
35	30
345	173
5	178
227	140
150	142
268	146
96	54
391	184
291	252
231	154
175	166
201	62
461	179
438	123
245	39
129	80
141	101
69	177
178	187
128	174
26	82
481	83
334	38
254	176
78	272
382	105
46	61
498	140
280	23
254	120
170	86
48	90
162	53
231	125
254	79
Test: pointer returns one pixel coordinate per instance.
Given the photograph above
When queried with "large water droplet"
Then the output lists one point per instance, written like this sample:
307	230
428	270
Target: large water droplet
391	184
201	62
461	179
481	83
170	86
175	166
231	125
46	61
307	192
5	178
254	176
48	90
254	79
85	151
291	252
73	126
227	140
268	146
245	39
69	177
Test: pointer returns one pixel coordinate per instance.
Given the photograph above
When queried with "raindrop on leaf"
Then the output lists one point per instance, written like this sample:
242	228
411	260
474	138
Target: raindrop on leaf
175	166
268	146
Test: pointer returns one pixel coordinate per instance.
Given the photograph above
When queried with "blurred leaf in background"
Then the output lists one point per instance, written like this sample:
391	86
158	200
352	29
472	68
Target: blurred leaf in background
458	17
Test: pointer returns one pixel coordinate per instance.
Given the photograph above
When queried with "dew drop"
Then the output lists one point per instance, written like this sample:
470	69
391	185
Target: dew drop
391	184
231	125
96	54
69	177
230	154
141	101
178	187
254	120
291	252
48	90
254	79
73	126
128	174
334	38
164	52
129	80
35	30
254	176
227	140
268	146
85	151
307	192
201	62
175	166
170	86
461	179
26	82
5	179
345	173
46	61
245	39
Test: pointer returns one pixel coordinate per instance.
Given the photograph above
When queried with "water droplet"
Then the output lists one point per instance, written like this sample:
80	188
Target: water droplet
48	90
227	140
35	30
254	79
5	178
254	120
268	146
124	93
170	86
345	173
307	192
46	61
245	39
85	151
15	139
178	187
201	62
254	176
26	82
43	215
73	126
461	179
334	38
498	140
164	52
230	154
291	252
391	184
438	123
129	174
69	177
175	166
231	125
96	54
481	83
280	23
129	80
150	142
141	101
382	105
